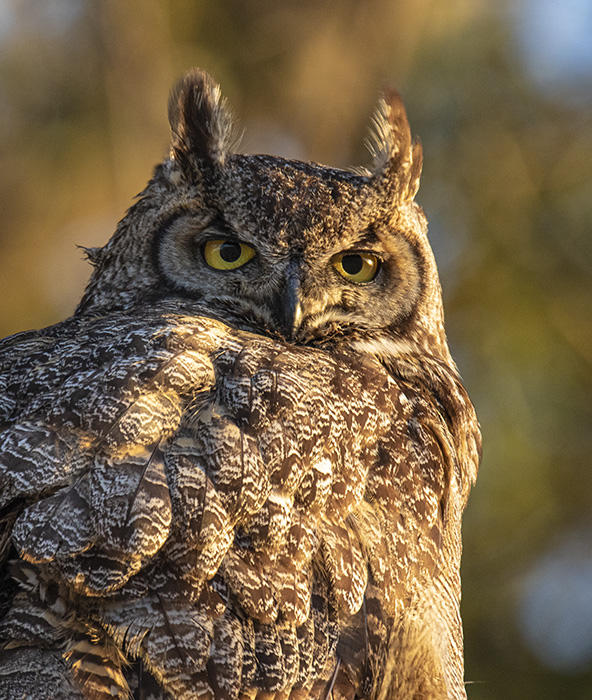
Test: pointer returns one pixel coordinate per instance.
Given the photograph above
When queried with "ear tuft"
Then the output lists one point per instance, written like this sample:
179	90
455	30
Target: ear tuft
201	122
414	170
397	159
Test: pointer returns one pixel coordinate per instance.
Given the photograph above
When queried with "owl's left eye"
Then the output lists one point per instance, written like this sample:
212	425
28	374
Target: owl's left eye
357	267
227	254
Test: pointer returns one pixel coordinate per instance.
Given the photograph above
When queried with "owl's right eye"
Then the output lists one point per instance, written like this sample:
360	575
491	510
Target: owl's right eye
357	267
224	254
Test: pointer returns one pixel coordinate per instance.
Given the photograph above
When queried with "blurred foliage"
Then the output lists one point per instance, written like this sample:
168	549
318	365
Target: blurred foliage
507	187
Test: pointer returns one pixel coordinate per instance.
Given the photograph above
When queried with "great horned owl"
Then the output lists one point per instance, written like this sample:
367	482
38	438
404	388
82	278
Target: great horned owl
238	470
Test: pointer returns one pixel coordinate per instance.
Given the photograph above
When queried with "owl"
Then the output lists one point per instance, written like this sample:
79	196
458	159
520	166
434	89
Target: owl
238	470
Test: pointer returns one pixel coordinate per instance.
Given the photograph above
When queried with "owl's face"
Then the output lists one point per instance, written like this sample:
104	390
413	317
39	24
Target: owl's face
297	250
292	249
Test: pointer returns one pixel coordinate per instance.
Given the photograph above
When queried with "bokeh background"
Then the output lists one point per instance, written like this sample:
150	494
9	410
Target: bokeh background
501	95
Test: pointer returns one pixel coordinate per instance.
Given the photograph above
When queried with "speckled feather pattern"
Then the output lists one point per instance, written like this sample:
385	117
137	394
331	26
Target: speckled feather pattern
194	504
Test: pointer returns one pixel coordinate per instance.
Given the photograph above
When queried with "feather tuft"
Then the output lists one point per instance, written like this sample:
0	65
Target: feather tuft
397	159
201	121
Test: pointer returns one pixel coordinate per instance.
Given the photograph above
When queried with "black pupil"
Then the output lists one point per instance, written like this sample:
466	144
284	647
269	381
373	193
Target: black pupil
230	251
352	264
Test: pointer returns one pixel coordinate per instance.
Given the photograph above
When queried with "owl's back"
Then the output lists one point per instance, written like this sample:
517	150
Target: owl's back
214	503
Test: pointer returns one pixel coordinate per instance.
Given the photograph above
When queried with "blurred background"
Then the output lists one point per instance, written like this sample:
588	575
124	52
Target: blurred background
501	96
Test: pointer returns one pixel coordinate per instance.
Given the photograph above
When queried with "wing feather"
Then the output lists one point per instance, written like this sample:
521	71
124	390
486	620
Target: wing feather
236	516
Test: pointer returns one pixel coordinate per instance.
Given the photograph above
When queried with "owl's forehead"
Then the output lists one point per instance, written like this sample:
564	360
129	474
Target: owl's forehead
294	202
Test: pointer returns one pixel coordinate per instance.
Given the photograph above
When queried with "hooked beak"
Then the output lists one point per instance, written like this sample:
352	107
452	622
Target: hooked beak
290	308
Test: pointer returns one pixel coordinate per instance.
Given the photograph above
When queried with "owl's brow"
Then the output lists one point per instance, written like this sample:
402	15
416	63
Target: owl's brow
220	225
366	239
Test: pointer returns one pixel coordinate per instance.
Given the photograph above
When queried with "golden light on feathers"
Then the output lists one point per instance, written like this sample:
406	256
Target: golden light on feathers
239	469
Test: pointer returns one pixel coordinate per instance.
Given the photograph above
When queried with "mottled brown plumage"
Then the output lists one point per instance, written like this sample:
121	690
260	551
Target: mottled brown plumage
249	482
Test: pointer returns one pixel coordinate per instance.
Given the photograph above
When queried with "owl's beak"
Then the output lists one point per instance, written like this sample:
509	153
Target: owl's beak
290	308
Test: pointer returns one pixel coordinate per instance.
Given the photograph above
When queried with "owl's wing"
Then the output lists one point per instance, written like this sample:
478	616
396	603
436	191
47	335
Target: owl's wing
83	493
239	516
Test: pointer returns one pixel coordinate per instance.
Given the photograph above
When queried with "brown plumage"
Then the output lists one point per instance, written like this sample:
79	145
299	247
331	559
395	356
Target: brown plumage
231	477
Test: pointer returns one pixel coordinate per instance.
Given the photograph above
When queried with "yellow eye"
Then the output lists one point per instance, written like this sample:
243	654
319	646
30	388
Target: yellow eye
357	267
227	254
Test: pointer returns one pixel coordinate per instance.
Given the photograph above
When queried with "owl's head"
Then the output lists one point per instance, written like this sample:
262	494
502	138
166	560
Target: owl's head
285	248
